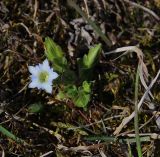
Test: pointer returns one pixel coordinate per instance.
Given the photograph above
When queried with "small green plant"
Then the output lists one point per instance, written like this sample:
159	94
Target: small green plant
79	93
77	88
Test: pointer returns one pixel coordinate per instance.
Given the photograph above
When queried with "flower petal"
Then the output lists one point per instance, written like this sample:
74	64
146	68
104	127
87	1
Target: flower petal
52	76
47	87
34	84
45	65
34	70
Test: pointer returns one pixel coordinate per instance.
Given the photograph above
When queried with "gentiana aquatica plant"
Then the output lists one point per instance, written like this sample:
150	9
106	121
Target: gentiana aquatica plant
79	93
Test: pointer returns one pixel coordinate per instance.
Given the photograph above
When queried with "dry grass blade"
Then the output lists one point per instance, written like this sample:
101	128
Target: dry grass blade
35	9
79	148
143	72
128	119
102	153
47	154
2	152
144	9
151	135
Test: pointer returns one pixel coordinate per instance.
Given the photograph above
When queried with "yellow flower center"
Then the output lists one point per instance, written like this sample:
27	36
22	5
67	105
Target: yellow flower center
43	76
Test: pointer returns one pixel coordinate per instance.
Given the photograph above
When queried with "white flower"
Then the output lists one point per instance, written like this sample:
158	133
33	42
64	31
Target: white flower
42	76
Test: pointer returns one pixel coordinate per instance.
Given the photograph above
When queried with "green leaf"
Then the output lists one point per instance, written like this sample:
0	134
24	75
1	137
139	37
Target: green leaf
84	72
60	64
93	54
80	96
61	95
86	87
88	62
69	91
83	95
52	49
55	54
35	108
82	99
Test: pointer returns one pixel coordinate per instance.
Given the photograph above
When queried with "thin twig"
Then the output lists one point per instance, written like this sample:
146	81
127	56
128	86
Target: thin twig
26	28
